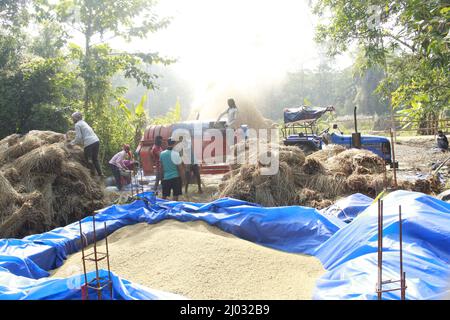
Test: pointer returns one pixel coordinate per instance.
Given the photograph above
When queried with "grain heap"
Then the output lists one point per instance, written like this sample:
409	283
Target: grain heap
202	262
44	184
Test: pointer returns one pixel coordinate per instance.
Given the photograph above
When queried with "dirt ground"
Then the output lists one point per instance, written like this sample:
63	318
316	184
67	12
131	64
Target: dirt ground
417	155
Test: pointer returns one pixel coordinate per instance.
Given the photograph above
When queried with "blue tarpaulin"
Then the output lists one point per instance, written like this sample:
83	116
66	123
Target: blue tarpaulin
292	229
348	208
348	251
350	255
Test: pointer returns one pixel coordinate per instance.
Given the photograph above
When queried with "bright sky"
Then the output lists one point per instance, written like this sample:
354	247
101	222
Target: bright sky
237	39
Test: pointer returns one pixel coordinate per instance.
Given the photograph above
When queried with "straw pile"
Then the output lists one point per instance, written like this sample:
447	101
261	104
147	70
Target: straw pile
316	180
44	184
198	261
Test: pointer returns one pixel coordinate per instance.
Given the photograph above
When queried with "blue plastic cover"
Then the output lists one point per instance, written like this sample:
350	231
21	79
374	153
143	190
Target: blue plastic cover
292	229
350	256
348	208
303	114
13	287
347	251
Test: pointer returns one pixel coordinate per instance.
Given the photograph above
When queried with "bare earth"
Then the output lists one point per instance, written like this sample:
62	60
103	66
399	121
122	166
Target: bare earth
416	155
202	262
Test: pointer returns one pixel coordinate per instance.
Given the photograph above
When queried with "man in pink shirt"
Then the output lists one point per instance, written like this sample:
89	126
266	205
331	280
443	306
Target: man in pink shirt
156	152
117	163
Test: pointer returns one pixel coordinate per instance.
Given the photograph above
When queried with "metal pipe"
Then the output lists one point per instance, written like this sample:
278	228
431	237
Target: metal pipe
393	159
356	120
402	278
84	265
379	246
107	259
141	171
131	189
99	292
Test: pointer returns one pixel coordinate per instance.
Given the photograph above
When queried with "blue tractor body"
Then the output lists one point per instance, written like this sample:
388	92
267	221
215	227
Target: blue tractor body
381	146
313	142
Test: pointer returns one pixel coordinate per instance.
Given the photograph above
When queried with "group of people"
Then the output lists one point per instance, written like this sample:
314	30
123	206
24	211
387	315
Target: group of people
175	166
85	136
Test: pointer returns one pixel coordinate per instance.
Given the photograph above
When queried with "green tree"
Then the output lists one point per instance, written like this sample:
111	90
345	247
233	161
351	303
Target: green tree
36	80
408	39
99	22
97	19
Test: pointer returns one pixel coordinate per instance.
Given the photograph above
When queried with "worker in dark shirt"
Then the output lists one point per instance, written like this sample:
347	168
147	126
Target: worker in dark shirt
442	141
156	152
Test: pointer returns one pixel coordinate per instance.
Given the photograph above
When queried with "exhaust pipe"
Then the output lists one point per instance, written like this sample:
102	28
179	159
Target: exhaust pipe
356	137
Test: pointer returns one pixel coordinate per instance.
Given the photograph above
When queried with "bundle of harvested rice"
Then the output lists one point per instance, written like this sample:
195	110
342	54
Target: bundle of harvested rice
356	160
49	137
308	181
45	159
9	141
313	166
202	262
8	197
327	153
18	149
321	204
44	184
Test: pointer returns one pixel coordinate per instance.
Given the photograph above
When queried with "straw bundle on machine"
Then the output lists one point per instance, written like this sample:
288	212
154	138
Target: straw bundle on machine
44	184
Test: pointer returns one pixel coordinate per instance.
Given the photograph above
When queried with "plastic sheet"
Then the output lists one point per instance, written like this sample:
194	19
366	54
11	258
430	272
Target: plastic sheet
350	256
292	229
347	251
13	287
348	208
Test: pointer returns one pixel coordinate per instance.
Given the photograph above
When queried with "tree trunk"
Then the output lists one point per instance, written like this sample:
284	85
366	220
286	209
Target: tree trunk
87	62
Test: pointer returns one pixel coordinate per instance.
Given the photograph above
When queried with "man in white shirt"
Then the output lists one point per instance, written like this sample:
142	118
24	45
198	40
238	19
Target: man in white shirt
232	113
86	136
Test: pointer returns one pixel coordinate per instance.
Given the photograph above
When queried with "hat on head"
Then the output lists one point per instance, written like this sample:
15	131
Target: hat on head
77	116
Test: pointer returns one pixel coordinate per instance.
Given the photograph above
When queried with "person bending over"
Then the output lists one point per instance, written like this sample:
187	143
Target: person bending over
117	163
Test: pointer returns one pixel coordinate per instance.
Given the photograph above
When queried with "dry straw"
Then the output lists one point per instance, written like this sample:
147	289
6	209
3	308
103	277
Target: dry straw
316	181
44	184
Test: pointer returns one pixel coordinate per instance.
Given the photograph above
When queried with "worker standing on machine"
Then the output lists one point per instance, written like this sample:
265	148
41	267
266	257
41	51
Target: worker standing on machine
232	113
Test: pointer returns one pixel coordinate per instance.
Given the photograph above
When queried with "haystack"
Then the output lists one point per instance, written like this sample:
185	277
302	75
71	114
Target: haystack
316	180
356	160
44	184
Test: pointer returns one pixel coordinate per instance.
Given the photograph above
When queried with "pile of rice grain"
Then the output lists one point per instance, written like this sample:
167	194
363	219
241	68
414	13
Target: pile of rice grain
202	262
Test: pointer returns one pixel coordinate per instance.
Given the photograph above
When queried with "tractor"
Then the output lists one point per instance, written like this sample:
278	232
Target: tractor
300	129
